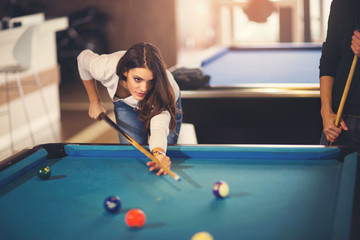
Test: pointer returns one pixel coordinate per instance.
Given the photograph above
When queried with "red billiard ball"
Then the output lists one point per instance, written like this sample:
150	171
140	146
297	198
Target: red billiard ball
221	189
44	172
112	204
135	218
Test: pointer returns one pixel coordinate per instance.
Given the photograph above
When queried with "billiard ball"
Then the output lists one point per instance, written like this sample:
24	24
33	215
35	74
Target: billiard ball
112	204
221	189
44	172
135	218
202	236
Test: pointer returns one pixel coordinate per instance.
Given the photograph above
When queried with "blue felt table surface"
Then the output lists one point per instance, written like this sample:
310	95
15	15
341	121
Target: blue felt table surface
270	66
269	199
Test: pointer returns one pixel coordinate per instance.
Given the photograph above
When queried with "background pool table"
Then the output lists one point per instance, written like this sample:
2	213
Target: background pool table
277	192
288	66
258	95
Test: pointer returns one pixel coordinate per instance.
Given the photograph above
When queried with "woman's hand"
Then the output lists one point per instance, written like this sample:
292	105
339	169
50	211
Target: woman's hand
95	109
163	159
96	106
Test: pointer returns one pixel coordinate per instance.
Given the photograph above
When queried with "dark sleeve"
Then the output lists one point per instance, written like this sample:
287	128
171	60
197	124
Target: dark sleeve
331	49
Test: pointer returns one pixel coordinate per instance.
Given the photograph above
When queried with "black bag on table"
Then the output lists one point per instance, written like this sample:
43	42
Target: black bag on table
190	78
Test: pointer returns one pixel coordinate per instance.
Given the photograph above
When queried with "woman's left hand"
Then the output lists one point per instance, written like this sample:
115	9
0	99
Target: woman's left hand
164	160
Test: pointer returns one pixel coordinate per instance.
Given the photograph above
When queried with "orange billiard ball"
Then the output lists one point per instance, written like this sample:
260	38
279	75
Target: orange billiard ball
135	218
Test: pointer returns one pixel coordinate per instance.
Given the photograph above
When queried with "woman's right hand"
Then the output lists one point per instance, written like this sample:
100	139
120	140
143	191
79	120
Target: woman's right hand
164	160
95	109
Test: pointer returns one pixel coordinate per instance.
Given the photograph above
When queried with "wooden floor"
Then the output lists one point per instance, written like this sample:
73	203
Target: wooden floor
76	125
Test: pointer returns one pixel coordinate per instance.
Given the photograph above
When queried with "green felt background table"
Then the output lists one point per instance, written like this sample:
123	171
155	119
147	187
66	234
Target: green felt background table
276	192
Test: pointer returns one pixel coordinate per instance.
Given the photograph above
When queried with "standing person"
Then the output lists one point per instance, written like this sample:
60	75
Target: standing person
342	42
146	98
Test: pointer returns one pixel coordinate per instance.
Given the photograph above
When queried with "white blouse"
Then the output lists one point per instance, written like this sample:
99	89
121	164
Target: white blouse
103	69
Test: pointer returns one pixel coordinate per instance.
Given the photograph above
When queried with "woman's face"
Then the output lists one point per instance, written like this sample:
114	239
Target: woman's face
139	82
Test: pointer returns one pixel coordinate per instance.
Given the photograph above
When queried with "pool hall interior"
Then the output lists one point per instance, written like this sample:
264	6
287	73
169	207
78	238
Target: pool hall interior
251	116
190	34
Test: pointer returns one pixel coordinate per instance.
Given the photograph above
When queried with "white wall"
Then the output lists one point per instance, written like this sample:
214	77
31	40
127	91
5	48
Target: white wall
40	113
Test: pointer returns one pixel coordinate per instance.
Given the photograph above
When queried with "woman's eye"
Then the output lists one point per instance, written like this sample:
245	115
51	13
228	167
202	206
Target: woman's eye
137	79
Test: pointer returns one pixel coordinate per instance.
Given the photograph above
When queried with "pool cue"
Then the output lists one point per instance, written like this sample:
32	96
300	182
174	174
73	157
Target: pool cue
346	91
137	145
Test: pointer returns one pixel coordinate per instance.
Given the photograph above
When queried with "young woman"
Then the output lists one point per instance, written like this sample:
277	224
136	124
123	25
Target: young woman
146	98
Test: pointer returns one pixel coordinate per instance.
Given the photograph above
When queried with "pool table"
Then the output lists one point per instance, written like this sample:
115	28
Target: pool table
276	192
283	65
258	95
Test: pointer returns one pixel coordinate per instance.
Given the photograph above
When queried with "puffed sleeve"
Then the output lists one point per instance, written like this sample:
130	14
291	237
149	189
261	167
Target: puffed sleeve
101	68
84	61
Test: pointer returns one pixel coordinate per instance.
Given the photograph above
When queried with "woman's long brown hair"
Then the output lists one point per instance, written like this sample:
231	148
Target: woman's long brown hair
161	97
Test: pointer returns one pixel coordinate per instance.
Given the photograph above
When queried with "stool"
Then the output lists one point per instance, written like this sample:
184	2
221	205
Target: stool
23	53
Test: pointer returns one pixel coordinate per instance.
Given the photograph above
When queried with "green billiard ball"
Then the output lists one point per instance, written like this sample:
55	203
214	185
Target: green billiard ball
44	172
